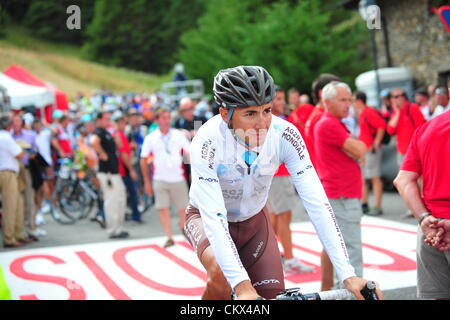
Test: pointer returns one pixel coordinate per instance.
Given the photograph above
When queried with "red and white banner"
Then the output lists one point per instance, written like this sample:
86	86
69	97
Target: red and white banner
143	269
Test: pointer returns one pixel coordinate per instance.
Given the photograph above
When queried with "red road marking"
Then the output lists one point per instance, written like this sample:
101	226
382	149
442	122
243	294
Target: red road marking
114	290
120	259
76	291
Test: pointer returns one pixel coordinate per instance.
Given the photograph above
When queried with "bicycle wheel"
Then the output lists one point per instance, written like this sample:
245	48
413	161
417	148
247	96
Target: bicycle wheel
148	203
72	201
61	218
92	198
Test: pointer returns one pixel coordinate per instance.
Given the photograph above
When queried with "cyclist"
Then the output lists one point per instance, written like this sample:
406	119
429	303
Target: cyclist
234	157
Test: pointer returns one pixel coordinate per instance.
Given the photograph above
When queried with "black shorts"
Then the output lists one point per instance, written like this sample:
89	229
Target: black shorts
257	246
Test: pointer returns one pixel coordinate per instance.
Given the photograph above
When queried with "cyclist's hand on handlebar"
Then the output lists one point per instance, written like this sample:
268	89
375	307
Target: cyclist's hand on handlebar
245	291
356	284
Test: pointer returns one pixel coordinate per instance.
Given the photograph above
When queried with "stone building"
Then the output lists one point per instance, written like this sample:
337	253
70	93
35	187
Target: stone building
412	36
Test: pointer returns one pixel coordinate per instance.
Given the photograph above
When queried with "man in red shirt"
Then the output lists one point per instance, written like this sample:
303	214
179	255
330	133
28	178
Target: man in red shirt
317	112
371	131
406	118
314	117
428	157
282	197
126	168
337	156
300	115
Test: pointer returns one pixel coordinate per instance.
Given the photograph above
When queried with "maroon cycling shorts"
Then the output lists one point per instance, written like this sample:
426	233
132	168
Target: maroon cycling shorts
257	246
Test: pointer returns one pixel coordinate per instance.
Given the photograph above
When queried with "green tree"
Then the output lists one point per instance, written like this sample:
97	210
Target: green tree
294	42
142	35
47	19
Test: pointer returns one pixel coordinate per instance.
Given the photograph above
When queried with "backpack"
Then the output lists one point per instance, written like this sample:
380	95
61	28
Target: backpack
386	137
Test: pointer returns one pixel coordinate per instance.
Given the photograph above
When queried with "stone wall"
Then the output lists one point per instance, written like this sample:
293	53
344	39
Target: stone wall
418	39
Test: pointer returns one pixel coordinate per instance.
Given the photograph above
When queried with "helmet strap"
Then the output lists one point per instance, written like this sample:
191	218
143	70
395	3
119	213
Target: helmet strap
238	139
230	114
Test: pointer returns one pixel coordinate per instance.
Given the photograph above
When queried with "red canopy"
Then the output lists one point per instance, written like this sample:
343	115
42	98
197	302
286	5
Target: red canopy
20	74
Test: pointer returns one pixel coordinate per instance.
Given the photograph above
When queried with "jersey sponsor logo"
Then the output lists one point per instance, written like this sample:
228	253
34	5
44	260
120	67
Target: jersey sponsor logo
294	138
193	232
208	179
266	282
258	190
260	245
224	224
232	194
303	171
231	181
208	153
338	230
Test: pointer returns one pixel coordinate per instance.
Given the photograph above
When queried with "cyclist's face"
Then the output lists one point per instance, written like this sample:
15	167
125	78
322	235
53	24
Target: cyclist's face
252	123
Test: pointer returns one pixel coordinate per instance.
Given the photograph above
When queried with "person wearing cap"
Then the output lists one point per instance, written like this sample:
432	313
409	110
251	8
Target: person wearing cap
111	183
126	169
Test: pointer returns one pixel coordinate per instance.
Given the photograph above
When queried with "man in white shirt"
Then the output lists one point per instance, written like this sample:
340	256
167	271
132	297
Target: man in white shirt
43	143
12	217
442	99
166	146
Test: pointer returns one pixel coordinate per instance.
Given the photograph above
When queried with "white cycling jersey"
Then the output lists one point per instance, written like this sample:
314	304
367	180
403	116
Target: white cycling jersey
225	189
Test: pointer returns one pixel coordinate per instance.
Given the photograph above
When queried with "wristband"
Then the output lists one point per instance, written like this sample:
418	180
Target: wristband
423	216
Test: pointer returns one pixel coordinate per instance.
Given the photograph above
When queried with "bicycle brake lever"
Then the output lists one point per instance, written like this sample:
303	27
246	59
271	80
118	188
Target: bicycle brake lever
368	292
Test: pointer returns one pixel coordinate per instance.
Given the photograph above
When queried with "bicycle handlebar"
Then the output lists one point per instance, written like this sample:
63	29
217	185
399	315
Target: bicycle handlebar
368	293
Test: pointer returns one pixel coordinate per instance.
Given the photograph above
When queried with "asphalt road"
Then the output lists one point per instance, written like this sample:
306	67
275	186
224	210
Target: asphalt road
86	231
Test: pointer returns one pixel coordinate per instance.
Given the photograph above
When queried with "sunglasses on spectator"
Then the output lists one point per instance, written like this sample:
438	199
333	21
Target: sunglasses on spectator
398	96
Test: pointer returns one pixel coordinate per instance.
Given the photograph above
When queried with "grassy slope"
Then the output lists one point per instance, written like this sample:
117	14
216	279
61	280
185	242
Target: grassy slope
63	66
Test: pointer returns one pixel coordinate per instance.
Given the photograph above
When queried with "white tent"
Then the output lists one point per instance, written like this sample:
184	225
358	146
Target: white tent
22	94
